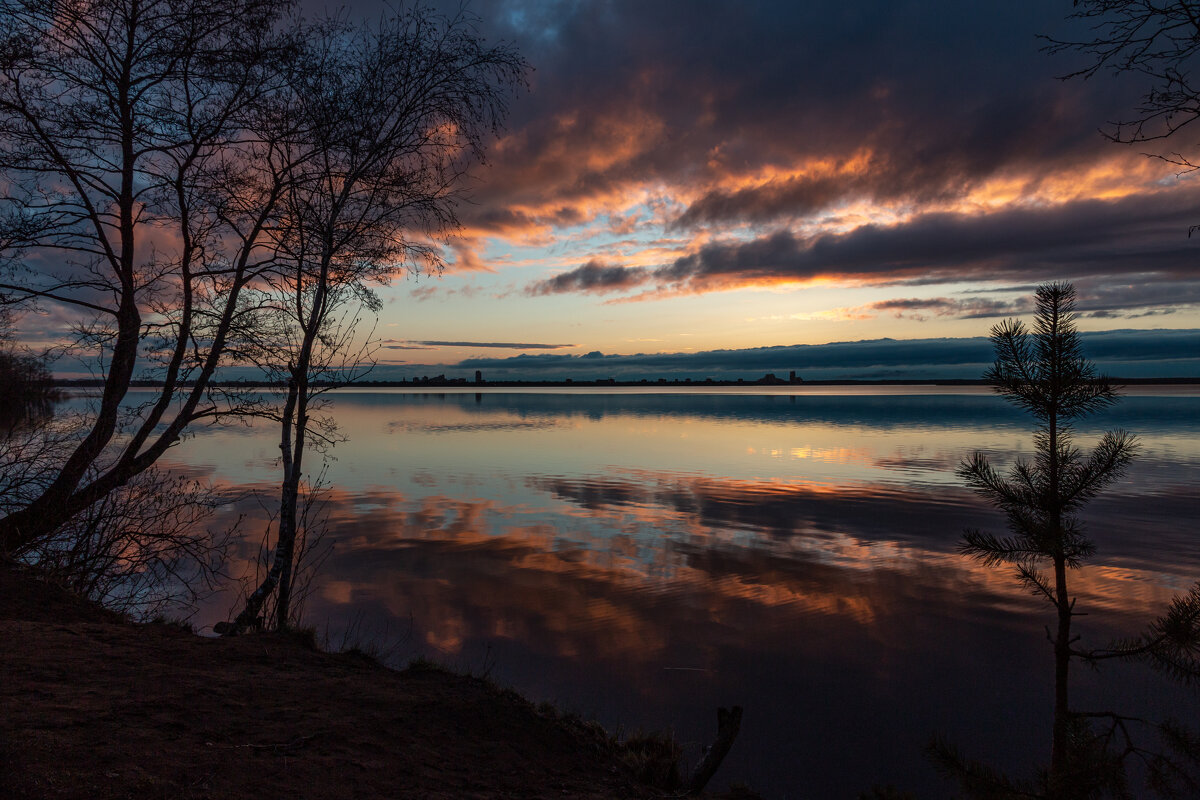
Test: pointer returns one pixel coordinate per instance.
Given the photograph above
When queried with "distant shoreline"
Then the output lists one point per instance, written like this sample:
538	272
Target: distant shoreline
463	383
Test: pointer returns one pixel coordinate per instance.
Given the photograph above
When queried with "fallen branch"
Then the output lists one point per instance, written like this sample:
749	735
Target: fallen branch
729	722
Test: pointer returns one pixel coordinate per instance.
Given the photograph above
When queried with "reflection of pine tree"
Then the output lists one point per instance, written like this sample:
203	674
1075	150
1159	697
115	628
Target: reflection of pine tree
1043	372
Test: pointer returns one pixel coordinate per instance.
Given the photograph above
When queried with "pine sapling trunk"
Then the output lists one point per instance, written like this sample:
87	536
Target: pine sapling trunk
1059	756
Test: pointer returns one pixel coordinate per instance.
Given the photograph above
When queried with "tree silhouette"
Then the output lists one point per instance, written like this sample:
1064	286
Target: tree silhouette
1159	41
1043	372
121	125
392	116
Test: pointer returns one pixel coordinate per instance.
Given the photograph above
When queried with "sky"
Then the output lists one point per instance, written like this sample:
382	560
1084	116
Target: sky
742	183
716	176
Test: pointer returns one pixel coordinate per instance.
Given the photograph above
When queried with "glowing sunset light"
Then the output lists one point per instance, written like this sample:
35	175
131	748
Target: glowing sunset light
649	184
639	358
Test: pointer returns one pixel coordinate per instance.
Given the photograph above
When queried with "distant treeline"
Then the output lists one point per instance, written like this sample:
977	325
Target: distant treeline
26	387
769	380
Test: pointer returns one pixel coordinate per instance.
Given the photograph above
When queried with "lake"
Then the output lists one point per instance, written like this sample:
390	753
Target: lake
642	558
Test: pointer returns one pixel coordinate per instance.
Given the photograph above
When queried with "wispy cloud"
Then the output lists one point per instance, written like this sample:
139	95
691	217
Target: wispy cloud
387	345
415	344
498	345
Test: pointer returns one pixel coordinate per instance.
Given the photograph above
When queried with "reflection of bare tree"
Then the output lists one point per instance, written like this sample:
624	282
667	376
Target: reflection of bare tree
31	454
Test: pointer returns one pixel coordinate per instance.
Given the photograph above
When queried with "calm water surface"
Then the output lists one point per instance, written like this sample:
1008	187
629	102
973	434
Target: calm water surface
643	558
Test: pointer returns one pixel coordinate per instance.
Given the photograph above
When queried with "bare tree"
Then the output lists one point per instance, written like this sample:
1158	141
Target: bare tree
392	117
143	549
311	547
1160	42
1043	372
123	125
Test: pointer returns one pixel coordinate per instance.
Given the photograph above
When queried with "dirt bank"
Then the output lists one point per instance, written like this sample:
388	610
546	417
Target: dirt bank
92	706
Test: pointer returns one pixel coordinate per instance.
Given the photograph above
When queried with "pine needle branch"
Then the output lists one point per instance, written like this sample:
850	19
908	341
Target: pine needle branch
992	550
977	780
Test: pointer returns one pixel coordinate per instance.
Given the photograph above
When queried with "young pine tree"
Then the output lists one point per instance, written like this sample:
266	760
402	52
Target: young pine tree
1043	372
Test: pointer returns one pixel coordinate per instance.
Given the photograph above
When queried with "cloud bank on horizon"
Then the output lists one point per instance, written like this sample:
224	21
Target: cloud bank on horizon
1119	353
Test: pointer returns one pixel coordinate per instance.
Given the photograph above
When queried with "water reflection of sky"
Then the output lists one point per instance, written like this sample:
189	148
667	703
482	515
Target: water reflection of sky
645	558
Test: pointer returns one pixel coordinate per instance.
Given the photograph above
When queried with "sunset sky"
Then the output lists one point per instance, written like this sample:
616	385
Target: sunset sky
686	177
689	177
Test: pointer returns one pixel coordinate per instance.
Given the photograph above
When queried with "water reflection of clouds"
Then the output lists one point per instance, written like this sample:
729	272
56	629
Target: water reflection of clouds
829	455
662	535
819	553
610	603
861	527
421	441
782	509
880	620
463	587
590	549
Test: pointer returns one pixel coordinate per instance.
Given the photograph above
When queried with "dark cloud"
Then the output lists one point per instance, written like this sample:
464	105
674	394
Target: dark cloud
792	197
1156	312
919	308
594	276
773	114
938	96
770	114
1145	295
1135	236
1152	296
937	304
509	220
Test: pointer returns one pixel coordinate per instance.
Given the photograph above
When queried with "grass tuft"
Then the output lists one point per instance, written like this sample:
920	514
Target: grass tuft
654	758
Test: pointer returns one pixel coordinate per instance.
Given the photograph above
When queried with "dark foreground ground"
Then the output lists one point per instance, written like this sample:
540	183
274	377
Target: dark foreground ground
93	706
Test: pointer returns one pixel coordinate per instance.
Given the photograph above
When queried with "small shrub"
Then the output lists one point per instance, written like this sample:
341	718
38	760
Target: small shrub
654	759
